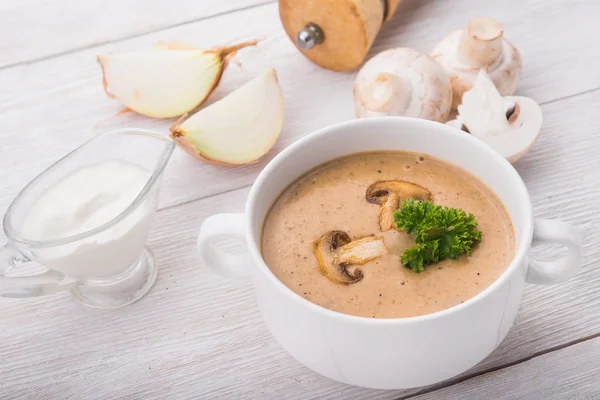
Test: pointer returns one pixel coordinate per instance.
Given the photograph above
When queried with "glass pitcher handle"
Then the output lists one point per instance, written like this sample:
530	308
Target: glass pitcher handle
48	282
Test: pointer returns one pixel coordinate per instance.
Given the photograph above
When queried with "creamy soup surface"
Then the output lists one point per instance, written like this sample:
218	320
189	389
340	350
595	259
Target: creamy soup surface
332	197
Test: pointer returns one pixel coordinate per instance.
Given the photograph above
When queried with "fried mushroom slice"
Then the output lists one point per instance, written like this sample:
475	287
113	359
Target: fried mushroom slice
335	251
388	195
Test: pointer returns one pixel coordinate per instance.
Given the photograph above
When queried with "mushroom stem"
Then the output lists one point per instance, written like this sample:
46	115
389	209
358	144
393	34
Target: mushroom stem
386	92
481	44
360	251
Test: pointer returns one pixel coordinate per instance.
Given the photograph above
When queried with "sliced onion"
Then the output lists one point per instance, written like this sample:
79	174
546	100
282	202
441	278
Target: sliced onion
238	129
168	81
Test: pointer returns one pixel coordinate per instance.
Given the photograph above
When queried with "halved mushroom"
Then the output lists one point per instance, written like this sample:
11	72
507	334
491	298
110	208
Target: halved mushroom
510	125
335	251
388	195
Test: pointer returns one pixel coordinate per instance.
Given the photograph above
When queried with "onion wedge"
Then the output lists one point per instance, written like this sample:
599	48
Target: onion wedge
238	129
167	81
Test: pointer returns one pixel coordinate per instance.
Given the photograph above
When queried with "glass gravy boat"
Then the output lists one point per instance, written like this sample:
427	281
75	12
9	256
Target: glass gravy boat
108	266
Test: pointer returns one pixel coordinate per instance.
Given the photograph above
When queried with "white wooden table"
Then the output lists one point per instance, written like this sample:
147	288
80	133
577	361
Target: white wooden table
196	335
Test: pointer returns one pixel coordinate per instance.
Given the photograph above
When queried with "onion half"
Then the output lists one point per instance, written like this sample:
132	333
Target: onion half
238	129
168	81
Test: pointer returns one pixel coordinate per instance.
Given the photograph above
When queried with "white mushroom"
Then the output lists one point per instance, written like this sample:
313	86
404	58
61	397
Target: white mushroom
403	82
510	125
464	52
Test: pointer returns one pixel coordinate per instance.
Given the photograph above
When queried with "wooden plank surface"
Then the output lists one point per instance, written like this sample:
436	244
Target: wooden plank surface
36	29
198	335
534	379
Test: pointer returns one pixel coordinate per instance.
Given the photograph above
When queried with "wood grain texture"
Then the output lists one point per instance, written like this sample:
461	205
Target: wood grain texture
555	376
47	108
197	335
38	29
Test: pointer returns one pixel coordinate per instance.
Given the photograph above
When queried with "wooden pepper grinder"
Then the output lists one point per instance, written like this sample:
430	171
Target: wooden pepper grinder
335	34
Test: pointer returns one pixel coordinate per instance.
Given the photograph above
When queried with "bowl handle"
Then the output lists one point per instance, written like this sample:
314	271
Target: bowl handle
218	228
551	272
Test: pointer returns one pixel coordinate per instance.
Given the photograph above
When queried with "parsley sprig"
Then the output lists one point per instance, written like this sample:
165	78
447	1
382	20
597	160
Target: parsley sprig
440	232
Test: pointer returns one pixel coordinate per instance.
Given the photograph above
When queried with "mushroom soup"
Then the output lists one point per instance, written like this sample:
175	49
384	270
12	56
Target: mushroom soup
335	238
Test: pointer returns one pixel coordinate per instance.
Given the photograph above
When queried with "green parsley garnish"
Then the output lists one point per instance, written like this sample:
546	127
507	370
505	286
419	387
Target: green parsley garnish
441	232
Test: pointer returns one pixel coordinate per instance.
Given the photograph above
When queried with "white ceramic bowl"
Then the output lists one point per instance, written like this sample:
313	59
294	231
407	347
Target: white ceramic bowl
390	353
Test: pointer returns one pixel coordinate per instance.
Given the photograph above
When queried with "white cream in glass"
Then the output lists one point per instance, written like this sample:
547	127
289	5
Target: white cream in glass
86	220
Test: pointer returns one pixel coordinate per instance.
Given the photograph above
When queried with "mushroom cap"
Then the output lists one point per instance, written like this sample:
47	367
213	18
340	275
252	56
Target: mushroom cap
403	82
504	71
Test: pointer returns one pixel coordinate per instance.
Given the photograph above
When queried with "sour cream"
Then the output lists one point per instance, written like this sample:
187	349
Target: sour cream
84	200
